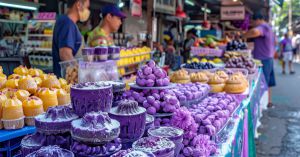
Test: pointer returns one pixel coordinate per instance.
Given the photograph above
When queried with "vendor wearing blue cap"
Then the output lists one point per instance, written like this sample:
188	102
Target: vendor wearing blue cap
112	20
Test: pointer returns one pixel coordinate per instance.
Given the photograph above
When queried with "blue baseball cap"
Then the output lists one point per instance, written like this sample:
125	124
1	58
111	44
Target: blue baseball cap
114	10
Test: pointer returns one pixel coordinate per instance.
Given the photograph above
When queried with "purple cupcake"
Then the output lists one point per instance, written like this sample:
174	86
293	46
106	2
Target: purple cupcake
132	153
132	119
32	143
86	150
53	151
91	96
56	120
160	147
101	54
95	128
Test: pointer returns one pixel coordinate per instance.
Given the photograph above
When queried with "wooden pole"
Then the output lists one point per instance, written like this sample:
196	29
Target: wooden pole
149	21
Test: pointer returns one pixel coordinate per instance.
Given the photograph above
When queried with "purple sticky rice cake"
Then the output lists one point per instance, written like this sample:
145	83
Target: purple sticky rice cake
149	121
62	140
132	119
118	90
95	128
91	96
160	147
56	120
133	153
174	134
32	143
85	150
51	151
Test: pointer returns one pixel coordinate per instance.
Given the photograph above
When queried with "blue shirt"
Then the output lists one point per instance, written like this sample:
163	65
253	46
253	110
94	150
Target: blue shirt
66	34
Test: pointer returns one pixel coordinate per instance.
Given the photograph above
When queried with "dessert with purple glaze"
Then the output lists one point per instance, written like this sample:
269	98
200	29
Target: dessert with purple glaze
86	150
132	119
101	54
88	54
118	89
32	143
161	147
95	128
172	133
133	153
56	120
53	151
91	96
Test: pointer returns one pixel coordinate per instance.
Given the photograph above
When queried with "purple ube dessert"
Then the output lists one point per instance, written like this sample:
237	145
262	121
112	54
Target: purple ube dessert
132	119
32	143
118	90
56	120
84	150
160	147
95	128
51	151
114	52
88	54
174	134
101	53
149	121
133	153
91	96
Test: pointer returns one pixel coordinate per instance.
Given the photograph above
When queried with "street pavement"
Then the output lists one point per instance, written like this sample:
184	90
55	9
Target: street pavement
280	128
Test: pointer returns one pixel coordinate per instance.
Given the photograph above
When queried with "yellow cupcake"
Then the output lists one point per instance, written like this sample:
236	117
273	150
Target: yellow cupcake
33	106
21	70
38	81
33	72
2	99
67	88
12	83
12	109
2	80
14	76
28	83
9	92
44	76
63	97
22	94
49	98
51	82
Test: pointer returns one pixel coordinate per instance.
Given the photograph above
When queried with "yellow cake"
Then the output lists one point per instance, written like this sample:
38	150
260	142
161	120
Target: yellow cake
2	99
208	73
49	98
216	83
62	82
222	74
3	80
199	77
63	97
44	76
14	76
51	82
21	70
22	94
180	76
38	81
33	106
67	88
9	92
28	83
12	116
235	85
12	83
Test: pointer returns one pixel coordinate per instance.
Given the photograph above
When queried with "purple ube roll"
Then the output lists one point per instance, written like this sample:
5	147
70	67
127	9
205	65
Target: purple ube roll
91	96
56	120
132	120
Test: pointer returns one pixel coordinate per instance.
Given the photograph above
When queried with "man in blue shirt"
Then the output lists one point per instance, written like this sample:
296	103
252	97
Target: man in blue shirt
66	36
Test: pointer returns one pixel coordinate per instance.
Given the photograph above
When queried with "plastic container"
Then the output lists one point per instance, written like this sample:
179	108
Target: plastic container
199	51
88	54
101	54
235	70
69	70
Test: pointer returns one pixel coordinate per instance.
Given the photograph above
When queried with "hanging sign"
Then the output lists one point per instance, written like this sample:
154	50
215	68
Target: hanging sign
165	6
136	8
233	13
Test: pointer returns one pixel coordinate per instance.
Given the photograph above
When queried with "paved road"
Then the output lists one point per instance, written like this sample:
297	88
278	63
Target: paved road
280	129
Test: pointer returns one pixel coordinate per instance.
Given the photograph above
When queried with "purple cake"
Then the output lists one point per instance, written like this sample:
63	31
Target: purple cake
149	121
114	52
95	128
62	140
132	153
118	90
160	147
88	54
32	143
51	151
88	97
85	150
56	120
173	134
132	119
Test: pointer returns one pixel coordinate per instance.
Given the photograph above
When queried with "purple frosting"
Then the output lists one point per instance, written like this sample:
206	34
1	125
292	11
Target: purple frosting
85	150
51	151
132	119
101	50
88	97
56	120
95	127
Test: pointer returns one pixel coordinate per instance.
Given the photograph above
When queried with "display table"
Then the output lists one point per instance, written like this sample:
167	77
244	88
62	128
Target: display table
10	139
238	137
